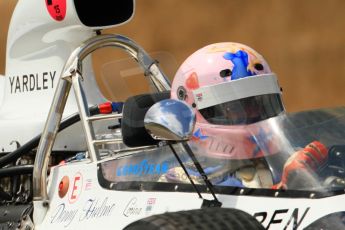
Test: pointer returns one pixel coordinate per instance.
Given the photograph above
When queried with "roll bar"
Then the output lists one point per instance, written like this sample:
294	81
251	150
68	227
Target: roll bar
71	75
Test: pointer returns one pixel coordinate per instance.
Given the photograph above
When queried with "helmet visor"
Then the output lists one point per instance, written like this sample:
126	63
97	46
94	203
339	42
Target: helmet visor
244	111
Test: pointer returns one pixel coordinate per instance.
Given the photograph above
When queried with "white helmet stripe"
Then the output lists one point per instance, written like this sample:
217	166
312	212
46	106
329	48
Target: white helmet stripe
236	89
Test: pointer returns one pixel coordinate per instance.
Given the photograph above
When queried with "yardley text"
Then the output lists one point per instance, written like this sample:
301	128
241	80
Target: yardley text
32	82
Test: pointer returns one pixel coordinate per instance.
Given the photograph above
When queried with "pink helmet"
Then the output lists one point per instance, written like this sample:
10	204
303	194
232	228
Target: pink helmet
231	87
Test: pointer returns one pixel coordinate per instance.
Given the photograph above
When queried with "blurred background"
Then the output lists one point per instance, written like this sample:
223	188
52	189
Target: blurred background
303	41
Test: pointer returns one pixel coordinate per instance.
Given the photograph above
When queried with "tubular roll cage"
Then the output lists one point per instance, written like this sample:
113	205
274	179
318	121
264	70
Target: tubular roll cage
71	76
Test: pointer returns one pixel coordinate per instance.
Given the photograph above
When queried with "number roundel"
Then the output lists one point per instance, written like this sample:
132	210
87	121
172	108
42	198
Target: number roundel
56	9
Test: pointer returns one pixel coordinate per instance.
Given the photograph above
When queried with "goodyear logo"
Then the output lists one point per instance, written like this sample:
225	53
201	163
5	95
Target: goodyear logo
142	169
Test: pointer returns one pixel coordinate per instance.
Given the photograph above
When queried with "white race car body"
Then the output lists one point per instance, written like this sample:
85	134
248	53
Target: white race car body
47	44
94	206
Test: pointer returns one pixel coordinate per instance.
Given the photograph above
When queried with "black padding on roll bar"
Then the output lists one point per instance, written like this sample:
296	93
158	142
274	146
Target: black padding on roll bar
133	130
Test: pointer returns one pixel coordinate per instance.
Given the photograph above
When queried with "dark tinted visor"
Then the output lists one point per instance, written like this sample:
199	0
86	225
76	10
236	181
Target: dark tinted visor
244	111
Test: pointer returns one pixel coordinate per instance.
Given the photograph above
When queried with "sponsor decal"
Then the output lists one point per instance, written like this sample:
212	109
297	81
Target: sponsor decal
92	209
88	184
76	190
32	82
132	208
199	96
63	216
63	186
279	216
142	169
96	209
150	204
56	9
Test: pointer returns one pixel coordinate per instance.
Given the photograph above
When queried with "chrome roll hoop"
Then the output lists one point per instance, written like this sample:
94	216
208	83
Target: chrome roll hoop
71	75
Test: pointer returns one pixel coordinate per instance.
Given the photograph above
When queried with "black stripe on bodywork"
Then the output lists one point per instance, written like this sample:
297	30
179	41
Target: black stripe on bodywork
226	190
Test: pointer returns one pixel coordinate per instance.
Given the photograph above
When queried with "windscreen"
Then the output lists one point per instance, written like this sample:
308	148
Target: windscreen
278	149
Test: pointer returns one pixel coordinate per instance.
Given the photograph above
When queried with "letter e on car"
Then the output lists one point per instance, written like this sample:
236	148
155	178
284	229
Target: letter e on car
76	188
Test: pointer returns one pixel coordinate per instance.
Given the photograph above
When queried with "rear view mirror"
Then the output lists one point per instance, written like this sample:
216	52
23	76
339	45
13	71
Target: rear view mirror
104	13
170	120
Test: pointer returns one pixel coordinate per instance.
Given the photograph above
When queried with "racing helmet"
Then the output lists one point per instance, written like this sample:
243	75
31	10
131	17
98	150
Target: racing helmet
231	87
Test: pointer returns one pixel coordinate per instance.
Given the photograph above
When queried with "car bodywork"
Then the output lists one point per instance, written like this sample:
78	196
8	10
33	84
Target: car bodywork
105	183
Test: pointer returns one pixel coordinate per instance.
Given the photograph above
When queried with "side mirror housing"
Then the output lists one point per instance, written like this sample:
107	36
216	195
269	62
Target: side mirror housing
170	120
